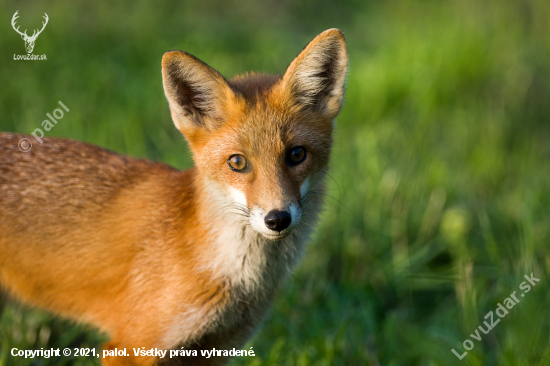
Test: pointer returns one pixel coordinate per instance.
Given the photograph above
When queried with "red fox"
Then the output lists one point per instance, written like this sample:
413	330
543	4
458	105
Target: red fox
160	258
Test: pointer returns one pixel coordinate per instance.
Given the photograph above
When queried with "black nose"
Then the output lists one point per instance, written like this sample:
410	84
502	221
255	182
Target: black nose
277	220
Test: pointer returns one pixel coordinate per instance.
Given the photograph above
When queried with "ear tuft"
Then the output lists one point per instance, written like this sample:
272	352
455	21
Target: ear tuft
316	78
196	93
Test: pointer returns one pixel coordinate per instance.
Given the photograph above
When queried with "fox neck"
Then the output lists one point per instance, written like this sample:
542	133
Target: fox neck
238	255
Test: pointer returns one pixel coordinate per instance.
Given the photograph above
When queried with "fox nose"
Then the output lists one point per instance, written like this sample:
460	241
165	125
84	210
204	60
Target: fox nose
277	220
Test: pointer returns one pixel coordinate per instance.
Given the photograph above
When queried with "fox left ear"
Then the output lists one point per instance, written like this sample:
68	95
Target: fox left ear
316	78
197	94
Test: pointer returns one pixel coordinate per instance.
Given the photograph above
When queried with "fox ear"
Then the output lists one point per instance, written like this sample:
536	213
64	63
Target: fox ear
196	92
316	78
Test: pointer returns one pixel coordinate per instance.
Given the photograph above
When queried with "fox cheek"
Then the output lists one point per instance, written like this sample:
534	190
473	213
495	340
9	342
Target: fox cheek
238	196
304	188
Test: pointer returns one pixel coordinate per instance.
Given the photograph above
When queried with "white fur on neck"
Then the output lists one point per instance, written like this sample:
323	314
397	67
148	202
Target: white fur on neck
242	256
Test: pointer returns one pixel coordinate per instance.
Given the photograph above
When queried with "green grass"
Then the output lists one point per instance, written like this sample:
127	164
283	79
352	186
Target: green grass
440	175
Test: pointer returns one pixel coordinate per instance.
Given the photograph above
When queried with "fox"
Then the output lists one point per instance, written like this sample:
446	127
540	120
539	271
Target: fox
159	258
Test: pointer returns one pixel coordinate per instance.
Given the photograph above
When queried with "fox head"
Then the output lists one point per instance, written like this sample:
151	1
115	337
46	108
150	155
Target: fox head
262	141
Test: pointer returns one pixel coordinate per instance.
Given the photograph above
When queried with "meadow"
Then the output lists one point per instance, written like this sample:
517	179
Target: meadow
439	187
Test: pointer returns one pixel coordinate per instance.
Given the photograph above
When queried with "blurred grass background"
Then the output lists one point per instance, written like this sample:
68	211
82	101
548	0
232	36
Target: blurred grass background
440	169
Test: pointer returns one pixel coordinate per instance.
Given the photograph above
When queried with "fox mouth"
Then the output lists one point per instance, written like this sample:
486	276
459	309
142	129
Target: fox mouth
278	236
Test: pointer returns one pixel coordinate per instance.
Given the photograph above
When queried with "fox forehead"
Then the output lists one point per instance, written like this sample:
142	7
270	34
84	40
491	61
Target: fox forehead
259	124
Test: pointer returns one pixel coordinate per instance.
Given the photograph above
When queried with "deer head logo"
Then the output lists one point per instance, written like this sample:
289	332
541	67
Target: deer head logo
29	41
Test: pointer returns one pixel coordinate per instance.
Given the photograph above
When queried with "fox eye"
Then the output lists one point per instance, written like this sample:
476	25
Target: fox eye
296	155
237	162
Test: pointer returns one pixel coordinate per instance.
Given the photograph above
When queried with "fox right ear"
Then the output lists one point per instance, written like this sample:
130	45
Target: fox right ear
316	78
196	92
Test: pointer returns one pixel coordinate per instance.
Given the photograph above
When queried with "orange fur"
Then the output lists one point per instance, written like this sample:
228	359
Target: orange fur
161	258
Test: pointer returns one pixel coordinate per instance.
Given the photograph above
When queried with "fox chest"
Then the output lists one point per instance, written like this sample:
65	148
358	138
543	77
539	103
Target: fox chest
228	323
